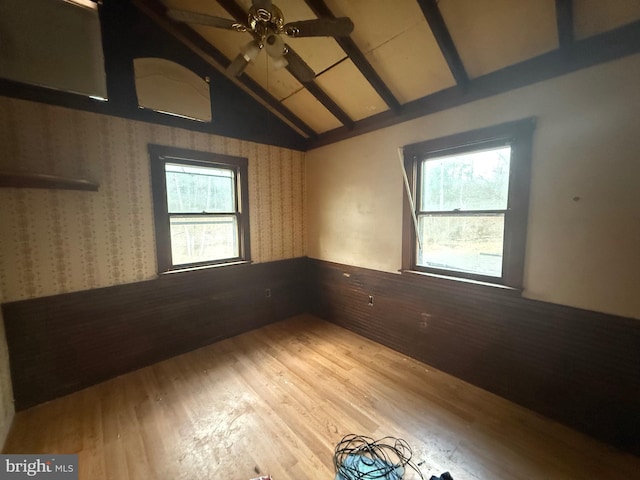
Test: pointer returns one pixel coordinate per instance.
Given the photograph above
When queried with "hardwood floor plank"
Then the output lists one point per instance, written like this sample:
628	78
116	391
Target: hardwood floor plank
277	400
278	412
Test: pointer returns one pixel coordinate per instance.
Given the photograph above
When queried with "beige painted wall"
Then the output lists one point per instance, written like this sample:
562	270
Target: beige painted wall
56	241
582	253
6	391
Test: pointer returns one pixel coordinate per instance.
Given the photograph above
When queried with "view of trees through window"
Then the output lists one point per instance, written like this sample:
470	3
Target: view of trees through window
201	203
462	204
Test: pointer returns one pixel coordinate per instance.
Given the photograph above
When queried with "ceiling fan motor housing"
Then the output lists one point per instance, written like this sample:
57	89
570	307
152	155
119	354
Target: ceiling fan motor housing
265	22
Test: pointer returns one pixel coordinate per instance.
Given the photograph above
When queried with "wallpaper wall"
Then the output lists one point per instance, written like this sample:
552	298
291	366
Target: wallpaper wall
56	241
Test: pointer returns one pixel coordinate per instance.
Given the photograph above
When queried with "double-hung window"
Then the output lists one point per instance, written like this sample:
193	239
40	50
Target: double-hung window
201	208
469	196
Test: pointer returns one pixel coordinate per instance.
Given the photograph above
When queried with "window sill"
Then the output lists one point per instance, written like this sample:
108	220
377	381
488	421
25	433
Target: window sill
205	267
497	286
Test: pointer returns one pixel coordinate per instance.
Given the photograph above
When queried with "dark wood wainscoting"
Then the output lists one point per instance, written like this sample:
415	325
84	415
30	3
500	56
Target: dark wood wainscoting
579	367
63	343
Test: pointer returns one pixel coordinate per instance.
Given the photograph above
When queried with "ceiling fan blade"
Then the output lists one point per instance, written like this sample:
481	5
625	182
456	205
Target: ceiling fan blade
298	67
236	68
202	19
321	27
266	4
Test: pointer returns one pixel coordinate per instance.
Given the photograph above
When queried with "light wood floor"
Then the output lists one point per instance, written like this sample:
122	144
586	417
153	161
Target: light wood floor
277	400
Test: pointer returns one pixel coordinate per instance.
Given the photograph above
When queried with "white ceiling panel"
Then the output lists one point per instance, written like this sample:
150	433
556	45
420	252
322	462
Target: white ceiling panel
377	21
311	111
491	35
411	64
592	17
320	53
351	91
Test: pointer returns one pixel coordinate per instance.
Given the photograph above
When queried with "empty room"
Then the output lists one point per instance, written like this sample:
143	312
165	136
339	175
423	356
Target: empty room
319	239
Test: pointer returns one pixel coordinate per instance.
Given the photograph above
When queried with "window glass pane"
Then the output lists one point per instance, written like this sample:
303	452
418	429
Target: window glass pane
470	181
192	189
202	239
463	243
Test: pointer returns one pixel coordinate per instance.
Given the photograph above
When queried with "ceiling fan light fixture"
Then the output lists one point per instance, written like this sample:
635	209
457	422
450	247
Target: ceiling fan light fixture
275	46
279	62
251	50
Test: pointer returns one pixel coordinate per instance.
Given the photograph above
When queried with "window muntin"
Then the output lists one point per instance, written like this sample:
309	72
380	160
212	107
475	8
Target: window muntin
201	208
468	207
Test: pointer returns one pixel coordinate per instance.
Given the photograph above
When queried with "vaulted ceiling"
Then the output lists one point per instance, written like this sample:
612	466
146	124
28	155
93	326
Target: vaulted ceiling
405	58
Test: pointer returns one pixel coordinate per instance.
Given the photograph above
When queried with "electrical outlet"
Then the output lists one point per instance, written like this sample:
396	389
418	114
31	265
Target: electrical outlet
267	293
371	300
425	318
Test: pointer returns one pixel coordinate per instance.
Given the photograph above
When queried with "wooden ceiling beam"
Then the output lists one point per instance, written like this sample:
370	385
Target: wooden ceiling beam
329	104
321	10
564	19
585	53
155	10
238	13
445	42
235	10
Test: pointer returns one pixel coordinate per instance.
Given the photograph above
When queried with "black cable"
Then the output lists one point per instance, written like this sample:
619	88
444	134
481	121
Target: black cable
387	458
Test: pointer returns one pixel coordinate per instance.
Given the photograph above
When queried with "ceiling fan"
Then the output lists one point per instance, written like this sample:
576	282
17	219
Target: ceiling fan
266	23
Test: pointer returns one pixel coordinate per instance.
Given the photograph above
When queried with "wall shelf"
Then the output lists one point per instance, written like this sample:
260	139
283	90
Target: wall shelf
41	180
